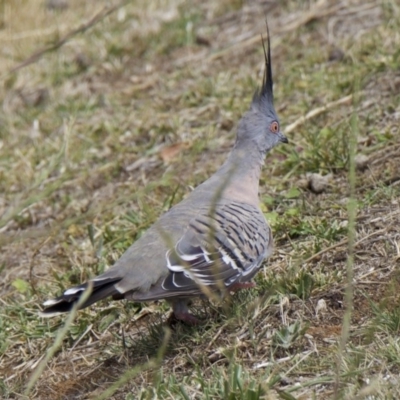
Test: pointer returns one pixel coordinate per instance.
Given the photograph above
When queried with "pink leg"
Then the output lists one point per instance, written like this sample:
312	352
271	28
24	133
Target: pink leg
181	313
187	318
241	285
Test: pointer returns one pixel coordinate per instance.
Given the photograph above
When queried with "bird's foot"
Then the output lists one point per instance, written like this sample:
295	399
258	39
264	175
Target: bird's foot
186	318
181	313
242	285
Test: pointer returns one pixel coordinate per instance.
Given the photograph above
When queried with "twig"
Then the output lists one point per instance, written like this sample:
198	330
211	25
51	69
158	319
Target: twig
317	111
132	372
383	157
57	341
32	263
323	251
84	27
318	11
341	243
215	338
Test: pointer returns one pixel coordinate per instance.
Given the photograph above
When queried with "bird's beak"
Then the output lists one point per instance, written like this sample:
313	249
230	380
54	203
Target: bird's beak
283	139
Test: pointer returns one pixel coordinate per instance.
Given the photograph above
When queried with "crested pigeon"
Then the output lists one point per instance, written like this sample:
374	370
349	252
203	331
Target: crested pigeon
213	241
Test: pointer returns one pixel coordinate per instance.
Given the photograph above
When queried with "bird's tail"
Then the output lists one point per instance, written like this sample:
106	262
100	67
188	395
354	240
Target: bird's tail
101	288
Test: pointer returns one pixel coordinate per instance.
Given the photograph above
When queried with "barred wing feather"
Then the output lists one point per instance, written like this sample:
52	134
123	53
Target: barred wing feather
227	246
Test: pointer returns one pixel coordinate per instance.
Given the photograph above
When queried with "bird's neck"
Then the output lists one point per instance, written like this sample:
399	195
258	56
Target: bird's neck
240	174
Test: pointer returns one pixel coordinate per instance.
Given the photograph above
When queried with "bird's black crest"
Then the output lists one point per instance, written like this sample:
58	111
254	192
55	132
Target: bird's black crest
266	90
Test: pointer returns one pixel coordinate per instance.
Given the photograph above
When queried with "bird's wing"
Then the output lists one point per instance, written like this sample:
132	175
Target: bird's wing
220	247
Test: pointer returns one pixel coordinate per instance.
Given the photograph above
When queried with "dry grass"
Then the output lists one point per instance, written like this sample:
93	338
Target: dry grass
103	134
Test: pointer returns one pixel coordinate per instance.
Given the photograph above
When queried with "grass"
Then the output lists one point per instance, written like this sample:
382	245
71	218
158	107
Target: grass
102	135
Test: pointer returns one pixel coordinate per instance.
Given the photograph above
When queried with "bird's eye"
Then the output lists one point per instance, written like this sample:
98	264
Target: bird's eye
274	127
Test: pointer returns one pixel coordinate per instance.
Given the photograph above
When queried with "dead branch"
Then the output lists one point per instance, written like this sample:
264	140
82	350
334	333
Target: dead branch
54	46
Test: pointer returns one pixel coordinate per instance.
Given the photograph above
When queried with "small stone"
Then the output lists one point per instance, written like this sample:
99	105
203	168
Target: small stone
302	183
202	41
318	183
344	224
34	97
82	61
361	161
336	55
321	307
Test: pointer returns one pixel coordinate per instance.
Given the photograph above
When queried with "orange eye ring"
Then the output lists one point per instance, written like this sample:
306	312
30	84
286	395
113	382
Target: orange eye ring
274	127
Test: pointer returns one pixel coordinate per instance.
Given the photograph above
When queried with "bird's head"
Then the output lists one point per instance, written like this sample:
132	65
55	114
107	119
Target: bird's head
260	124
